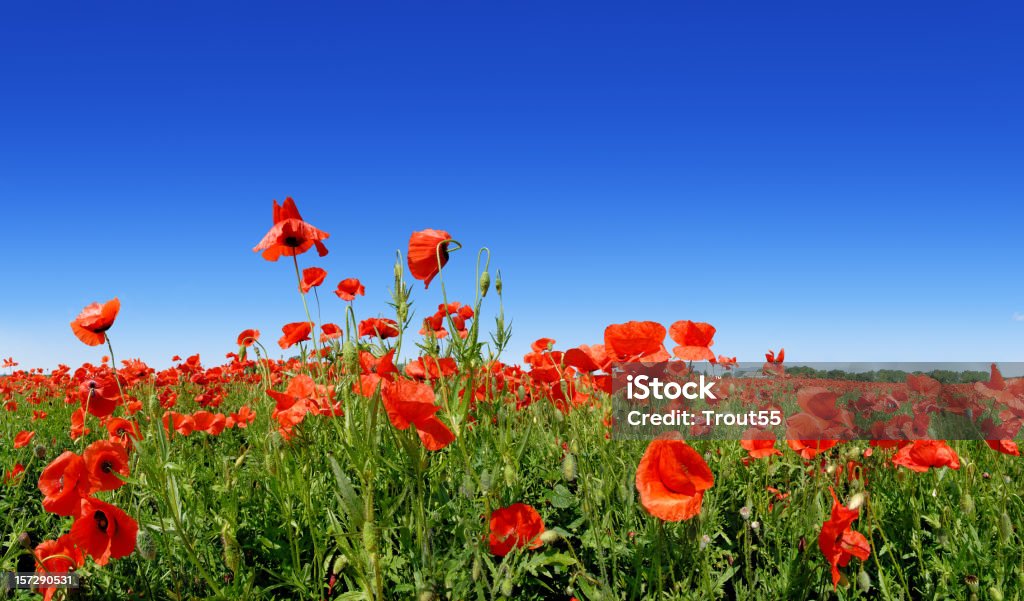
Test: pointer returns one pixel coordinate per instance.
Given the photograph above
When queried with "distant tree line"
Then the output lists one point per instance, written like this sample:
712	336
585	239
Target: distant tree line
944	376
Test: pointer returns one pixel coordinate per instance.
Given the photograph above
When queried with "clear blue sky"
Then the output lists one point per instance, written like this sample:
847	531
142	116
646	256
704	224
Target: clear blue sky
846	181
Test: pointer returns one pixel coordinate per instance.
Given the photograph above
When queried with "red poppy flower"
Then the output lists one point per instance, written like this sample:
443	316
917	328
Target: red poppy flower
294	333
636	341
104	531
431	368
923	454
412	403
329	331
759	443
21	439
248	337
13	475
123	431
100	395
588	358
377	326
182	424
517	525
211	423
694	340
428	253
1005	446
103	460
672	478
57	556
311	276
771	358
726	362
838	542
290	235
349	288
408	402
64	483
94	320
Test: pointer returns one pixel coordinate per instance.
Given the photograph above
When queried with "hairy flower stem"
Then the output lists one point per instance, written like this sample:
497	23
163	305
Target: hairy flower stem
305	306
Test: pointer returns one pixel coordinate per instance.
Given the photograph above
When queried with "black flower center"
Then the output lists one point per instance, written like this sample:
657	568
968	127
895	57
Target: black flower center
101	521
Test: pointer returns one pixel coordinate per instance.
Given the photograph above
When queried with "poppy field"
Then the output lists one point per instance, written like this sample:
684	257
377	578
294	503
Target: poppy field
397	453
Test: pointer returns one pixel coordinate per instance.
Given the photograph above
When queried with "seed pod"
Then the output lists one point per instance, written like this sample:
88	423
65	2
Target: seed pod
972	583
569	467
40	451
485	283
25	541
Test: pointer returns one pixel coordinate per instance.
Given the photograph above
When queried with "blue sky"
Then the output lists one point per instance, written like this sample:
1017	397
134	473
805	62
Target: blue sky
844	181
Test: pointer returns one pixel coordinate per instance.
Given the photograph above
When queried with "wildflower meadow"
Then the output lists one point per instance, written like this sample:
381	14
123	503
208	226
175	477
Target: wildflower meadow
398	453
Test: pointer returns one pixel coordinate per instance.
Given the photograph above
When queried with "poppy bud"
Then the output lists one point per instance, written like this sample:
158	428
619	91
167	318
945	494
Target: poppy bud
369	537
967	504
549	536
468	487
857	500
340	563
569	467
1005	527
40	451
25	541
485	283
497	284
510	474
477	569
398	269
745	512
801	544
863	581
485	482
427	596
230	545
349	355
506	587
145	545
995	593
